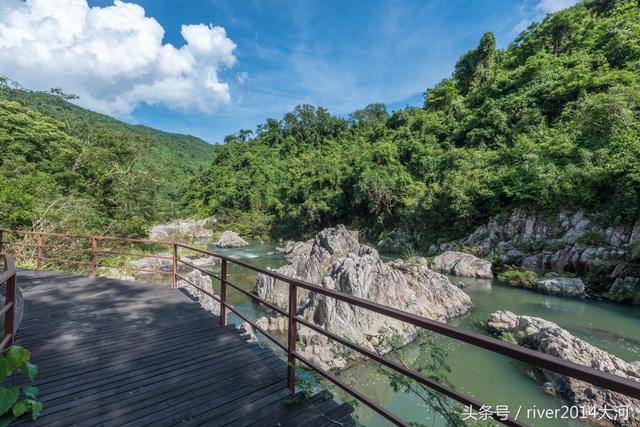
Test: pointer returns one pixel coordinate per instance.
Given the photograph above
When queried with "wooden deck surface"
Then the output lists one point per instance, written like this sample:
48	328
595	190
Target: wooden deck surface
116	353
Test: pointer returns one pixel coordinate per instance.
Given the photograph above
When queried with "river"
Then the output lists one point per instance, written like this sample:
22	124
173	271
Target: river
488	377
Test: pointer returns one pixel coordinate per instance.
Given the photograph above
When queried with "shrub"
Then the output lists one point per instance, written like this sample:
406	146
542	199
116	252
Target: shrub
592	238
519	278
17	397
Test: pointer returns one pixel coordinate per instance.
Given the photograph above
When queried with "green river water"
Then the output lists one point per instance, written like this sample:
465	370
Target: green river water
490	378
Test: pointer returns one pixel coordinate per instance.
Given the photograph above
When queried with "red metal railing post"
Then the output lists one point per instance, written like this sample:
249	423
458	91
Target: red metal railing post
94	257
223	292
291	342
39	256
174	281
10	298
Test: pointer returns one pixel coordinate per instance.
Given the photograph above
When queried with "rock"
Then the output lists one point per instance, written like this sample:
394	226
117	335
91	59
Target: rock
625	290
202	262
203	281
165	263
308	261
547	337
128	278
395	241
562	286
184	230
462	264
19	309
569	242
336	260
230	239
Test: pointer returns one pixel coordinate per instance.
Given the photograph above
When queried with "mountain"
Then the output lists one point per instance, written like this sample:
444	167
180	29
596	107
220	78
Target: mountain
67	168
551	122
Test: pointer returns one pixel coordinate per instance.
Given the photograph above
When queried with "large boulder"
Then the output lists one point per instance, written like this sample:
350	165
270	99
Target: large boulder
336	260
230	239
547	337
19	309
184	230
308	261
462	264
562	286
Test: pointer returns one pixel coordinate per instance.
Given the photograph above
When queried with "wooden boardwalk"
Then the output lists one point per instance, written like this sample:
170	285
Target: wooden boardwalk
115	353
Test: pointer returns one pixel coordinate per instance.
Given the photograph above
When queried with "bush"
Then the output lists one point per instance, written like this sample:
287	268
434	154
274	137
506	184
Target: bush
519	278
592	238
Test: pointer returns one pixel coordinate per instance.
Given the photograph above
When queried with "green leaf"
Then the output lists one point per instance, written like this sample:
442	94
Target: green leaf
5	368
8	397
31	391
20	408
36	408
30	370
18	356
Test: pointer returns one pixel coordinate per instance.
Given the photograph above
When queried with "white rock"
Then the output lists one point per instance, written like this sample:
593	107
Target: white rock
462	264
230	239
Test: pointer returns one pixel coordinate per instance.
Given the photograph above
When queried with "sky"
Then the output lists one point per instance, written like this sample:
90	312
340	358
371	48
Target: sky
211	67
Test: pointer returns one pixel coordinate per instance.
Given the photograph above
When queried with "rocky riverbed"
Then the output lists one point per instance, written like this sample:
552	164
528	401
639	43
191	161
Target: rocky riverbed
607	257
547	337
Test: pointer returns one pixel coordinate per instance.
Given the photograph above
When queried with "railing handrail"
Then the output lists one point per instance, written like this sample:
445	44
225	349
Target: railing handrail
603	379
8	310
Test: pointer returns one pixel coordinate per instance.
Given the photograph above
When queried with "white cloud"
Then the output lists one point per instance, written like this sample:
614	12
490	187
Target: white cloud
550	6
243	77
112	57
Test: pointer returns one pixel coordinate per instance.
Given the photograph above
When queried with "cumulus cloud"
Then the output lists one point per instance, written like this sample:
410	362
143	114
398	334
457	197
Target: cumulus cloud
112	57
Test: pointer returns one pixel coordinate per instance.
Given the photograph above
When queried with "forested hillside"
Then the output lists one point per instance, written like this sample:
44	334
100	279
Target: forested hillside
66	168
551	122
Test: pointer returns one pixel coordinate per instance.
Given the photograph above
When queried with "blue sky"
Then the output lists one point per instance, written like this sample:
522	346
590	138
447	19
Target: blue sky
341	55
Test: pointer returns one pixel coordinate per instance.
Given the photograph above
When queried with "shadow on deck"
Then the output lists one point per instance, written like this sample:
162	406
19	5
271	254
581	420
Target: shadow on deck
117	353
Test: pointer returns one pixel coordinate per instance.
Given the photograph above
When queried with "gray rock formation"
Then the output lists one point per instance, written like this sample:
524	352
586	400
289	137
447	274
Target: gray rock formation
462	264
547	337
230	239
152	263
567	242
203	281
336	260
19	313
184	230
562	286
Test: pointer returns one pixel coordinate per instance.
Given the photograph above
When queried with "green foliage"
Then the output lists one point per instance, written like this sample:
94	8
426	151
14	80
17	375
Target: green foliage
519	278
17	397
593	238
552	122
69	169
433	365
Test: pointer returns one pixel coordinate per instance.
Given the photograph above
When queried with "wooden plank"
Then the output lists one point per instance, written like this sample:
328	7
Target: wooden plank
121	353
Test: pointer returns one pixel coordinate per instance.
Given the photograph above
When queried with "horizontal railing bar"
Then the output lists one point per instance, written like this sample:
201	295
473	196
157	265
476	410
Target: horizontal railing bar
188	264
408	372
6	308
78	236
257	298
612	382
143	270
6	275
230	307
134	255
361	397
58	260
236	287
5	341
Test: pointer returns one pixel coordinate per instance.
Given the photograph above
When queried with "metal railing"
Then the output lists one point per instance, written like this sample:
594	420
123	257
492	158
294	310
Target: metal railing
602	379
9	277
